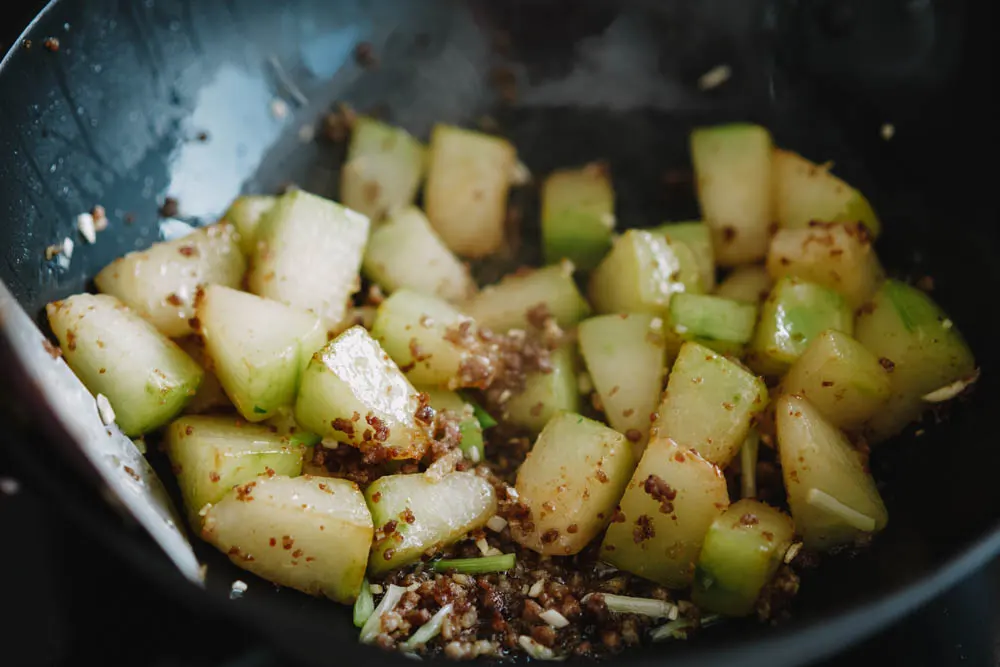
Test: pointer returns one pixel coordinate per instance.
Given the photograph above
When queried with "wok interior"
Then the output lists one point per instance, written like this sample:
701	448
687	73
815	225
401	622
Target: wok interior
112	119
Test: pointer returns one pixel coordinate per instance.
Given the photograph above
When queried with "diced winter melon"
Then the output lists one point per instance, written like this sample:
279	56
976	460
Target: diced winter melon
923	348
211	455
257	347
732	165
794	314
641	273
505	306
546	394
833	499
672	499
309	533
425	514
626	359
805	192
709	404
571	481
395	243
308	254
245	214
160	283
750	283
468	177
698	237
723	325
383	168
210	397
414	329
145	376
841	378
743	549
837	256
353	392
578	215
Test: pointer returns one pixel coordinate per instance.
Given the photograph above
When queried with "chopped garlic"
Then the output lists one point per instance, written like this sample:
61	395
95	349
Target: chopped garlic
204	510
238	589
520	174
376	589
554	618
279	108
608	220
584	384
536	650
105	410
947	324
496	523
9	486
483	546
536	588
792	552
950	391
888	131
85	223
715	77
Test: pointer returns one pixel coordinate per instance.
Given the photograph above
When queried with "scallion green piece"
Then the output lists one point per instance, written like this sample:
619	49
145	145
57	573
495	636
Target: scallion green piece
364	605
305	439
485	419
428	630
483	565
472	440
374	623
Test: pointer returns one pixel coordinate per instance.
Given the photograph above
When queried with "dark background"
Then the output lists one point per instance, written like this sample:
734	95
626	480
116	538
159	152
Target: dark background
67	600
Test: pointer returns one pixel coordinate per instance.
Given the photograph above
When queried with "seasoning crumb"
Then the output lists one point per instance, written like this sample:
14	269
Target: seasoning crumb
888	131
51	44
279	108
9	486
170	208
85	224
714	77
105	410
100	217
364	55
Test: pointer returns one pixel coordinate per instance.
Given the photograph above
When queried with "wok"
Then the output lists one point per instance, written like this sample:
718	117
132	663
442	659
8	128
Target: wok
148	99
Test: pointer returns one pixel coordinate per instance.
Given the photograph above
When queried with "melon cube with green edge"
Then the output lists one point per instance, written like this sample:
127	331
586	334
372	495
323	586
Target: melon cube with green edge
669	504
750	283
723	325
546	394
468	177
426	514
505	305
418	331
794	314
698	237
245	213
841	378
472	444
308	533
571	481
743	549
211	397
353	392
641	273
709	404
145	376
923	348
626	359
833	499
578	215
394	243
806	192
211	455
733	176
307	255
838	256
160	283
383	168
258	347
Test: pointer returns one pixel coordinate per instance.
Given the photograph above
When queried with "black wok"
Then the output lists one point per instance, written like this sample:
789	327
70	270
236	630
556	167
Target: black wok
149	99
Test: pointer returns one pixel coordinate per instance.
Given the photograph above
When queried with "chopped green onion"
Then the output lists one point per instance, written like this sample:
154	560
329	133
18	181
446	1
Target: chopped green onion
483	565
364	605
748	464
305	439
623	604
373	625
848	515
673	630
536	650
485	419
472	440
428	630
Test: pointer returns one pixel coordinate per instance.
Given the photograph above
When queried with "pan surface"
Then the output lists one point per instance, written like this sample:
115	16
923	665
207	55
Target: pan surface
201	101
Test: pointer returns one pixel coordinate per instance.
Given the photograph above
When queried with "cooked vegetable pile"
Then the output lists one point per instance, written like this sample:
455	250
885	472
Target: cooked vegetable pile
610	449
